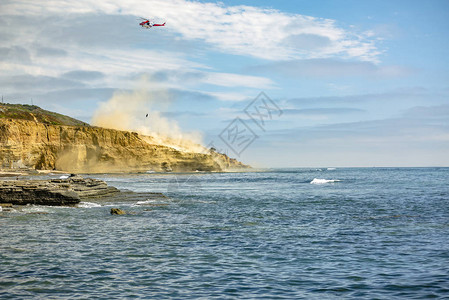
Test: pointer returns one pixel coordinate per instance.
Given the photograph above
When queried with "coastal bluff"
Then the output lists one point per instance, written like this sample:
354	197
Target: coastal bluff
56	192
37	139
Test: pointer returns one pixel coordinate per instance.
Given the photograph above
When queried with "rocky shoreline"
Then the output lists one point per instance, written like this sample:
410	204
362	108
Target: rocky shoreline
54	192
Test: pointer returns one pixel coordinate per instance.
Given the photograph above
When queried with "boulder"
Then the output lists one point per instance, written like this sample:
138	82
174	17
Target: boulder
117	211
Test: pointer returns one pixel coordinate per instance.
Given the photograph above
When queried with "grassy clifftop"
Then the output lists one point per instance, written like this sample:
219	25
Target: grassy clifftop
35	113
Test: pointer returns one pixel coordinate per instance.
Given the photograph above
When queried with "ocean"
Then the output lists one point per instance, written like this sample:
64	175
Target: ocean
325	233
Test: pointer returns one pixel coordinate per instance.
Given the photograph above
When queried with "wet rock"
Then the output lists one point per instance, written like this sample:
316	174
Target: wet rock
117	211
6	207
90	188
57	192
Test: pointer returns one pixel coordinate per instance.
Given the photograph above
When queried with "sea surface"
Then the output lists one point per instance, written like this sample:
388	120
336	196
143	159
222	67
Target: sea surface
353	233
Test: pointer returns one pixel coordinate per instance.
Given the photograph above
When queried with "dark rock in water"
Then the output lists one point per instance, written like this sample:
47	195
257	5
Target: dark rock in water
117	211
87	187
52	192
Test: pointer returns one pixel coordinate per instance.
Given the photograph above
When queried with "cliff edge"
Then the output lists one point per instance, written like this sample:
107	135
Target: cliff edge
34	138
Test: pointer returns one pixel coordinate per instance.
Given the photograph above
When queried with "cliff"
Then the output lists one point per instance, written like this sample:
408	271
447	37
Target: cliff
45	145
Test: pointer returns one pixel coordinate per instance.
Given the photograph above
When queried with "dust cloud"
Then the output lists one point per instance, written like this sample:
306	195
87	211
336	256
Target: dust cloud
134	111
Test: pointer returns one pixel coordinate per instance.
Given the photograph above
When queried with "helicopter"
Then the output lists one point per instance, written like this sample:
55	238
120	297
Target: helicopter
148	23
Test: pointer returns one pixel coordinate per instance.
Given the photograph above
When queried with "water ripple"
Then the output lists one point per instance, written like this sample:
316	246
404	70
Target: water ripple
259	235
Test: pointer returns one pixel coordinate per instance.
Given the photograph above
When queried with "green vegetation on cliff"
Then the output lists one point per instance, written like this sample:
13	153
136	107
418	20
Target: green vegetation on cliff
35	113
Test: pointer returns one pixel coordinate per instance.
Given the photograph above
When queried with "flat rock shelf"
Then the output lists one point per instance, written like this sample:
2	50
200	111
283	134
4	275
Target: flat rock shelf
56	192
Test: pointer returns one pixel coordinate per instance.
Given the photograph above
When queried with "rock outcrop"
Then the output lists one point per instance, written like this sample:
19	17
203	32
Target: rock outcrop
117	211
57	192
86	149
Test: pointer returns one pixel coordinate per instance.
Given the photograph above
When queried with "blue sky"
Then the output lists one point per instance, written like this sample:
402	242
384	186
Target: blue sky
357	83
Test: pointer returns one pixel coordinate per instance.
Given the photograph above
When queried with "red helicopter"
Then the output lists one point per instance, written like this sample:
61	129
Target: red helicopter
148	23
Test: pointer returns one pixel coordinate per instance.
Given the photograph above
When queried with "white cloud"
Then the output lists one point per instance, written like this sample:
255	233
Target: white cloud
230	96
235	80
321	68
243	30
103	37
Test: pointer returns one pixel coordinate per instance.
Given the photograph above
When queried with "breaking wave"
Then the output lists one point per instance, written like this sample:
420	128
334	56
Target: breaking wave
323	181
88	204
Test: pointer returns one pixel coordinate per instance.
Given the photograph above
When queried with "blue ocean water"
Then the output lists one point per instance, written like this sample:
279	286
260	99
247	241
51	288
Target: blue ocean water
279	234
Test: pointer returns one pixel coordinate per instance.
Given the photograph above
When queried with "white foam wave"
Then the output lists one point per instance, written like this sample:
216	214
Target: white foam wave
331	169
148	201
36	209
323	181
88	204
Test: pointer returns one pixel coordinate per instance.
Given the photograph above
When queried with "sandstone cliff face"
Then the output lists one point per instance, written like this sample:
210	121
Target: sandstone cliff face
83	149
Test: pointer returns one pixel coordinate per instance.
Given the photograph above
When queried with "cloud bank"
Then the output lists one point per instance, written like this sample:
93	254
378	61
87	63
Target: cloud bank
242	30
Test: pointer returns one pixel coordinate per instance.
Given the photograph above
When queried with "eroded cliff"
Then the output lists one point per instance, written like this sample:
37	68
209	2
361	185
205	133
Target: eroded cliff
86	149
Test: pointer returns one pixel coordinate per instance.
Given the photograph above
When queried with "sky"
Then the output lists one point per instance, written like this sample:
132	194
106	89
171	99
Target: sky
343	83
